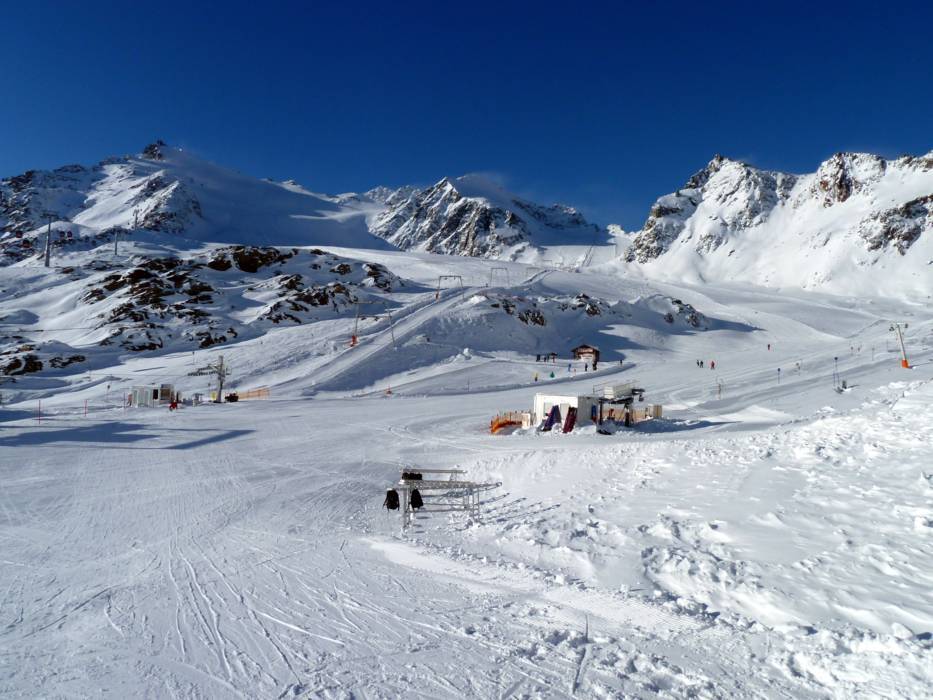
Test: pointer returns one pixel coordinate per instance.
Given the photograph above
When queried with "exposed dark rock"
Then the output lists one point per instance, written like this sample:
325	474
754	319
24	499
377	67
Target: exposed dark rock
532	317
25	364
250	259
899	227
154	150
60	362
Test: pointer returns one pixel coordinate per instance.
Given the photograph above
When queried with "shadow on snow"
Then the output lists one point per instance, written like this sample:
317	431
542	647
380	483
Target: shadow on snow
121	435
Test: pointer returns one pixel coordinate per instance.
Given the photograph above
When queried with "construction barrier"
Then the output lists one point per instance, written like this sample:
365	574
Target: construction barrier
259	394
509	418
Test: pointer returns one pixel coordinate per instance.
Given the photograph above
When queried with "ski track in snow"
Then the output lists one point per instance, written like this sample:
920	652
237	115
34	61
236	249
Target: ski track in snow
772	542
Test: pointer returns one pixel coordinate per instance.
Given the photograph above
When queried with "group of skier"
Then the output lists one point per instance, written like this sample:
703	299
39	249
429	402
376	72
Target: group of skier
701	364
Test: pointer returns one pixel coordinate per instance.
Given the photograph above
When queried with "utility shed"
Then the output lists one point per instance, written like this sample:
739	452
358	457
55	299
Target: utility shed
586	352
152	395
587	407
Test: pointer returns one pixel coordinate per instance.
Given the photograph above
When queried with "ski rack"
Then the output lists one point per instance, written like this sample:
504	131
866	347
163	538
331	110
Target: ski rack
450	495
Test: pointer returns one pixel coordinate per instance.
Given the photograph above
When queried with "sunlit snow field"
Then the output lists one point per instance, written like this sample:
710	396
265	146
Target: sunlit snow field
766	538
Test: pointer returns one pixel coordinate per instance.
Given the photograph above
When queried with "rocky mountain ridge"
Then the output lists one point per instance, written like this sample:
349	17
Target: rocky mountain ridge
169	192
472	216
860	224
731	221
728	197
165	190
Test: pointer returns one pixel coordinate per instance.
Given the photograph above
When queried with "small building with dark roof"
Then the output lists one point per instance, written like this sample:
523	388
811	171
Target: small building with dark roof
586	352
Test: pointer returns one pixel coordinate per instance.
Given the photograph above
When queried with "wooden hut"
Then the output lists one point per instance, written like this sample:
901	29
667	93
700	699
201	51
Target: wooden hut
587	353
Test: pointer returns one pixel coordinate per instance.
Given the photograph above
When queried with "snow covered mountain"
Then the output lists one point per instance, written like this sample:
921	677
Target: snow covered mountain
168	191
473	216
860	222
856	226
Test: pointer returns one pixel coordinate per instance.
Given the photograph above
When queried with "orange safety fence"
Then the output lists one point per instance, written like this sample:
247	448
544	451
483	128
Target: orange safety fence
504	420
254	394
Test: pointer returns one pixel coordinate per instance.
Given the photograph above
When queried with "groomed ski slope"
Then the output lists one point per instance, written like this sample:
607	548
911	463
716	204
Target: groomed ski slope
763	540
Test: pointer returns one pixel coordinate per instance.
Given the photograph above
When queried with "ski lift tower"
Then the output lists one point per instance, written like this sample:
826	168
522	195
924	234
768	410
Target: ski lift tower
442	278
896	327
354	339
217	369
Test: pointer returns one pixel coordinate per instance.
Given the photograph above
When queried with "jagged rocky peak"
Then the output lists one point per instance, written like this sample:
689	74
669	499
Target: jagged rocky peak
922	163
439	219
119	193
846	173
391	196
473	216
701	177
734	194
155	150
733	221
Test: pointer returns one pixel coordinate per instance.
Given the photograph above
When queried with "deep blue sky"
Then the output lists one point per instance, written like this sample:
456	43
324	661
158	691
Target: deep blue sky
603	106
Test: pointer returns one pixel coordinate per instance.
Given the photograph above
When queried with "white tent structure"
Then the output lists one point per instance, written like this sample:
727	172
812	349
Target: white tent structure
613	402
585	406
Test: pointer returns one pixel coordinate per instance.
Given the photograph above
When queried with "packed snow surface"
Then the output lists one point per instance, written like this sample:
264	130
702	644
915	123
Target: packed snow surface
770	536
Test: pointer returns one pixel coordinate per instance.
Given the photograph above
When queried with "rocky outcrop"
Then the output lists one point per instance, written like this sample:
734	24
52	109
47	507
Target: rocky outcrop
440	220
472	217
187	301
28	200
900	226
845	174
727	199
166	205
534	311
155	150
744	197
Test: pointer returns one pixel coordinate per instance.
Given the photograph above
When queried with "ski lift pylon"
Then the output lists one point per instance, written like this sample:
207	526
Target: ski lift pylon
354	338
